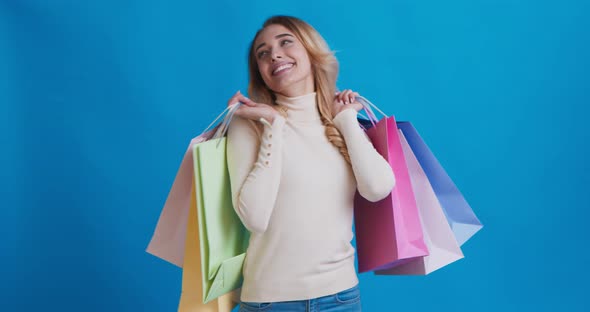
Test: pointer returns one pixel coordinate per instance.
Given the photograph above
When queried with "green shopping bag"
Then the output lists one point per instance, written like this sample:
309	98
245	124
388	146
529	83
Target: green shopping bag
223	238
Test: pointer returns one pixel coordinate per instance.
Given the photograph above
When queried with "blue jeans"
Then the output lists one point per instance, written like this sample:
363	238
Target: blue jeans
345	301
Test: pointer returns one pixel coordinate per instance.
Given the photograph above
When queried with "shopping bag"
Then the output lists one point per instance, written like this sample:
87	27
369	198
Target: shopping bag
169	236
442	246
388	232
459	214
191	297
168	239
223	237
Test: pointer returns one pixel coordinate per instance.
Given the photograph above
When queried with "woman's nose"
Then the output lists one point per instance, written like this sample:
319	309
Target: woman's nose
275	56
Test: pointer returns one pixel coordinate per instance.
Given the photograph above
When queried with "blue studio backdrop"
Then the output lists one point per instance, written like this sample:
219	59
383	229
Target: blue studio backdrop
99	99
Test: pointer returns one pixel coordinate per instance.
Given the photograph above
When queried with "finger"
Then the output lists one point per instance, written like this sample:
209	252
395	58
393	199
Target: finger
245	100
245	111
239	111
345	93
347	96
233	99
351	96
342	95
338	96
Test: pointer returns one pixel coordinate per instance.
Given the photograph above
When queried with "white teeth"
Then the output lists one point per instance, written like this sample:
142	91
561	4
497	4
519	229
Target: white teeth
283	67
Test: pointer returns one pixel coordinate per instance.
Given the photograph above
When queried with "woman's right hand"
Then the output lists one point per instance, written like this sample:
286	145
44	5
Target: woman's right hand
252	110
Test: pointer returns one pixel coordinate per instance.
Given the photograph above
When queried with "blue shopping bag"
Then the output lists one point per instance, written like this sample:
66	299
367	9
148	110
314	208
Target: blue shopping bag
461	217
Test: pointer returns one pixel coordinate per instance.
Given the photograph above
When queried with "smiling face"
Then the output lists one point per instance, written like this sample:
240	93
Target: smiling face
283	61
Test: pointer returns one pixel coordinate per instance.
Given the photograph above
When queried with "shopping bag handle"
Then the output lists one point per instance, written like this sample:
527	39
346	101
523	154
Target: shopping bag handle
367	108
222	130
230	111
224	124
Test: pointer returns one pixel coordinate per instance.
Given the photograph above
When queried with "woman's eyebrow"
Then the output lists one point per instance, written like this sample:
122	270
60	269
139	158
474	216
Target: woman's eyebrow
276	37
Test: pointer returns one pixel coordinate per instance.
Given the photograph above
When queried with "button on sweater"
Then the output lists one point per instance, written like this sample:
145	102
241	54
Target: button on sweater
294	191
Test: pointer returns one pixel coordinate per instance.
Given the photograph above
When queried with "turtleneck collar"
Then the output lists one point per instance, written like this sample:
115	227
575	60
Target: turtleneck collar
301	108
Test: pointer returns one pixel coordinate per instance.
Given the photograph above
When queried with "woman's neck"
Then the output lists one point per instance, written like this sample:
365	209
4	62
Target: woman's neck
302	108
299	88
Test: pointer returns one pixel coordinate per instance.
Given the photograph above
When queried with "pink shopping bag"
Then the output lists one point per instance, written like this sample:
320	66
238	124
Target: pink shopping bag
168	240
388	232
169	237
442	246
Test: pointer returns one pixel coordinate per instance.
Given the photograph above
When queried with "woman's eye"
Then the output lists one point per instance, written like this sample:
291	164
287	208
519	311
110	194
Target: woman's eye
285	41
262	53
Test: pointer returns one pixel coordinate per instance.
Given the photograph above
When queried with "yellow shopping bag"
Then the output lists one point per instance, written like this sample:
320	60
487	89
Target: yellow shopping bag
191	298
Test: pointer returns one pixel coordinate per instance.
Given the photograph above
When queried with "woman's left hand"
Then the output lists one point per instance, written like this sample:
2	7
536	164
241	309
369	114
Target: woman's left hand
344	100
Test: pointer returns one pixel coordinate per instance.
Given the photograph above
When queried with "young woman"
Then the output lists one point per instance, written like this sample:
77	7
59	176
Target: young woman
296	157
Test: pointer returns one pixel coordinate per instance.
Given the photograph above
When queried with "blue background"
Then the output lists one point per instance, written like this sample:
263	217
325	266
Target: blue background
99	101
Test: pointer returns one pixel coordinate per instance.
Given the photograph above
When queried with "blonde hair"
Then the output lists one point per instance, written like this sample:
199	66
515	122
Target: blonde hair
324	68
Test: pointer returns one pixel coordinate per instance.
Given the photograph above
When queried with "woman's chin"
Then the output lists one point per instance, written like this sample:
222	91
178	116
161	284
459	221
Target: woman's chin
282	86
286	85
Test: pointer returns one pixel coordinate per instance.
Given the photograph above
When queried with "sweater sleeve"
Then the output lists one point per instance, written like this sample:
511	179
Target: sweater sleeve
254	164
374	176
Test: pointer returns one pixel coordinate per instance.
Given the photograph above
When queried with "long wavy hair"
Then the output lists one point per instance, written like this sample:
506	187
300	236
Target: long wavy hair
324	68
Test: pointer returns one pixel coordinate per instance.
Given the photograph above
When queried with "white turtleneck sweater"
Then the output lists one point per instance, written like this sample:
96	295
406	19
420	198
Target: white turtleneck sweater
293	190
